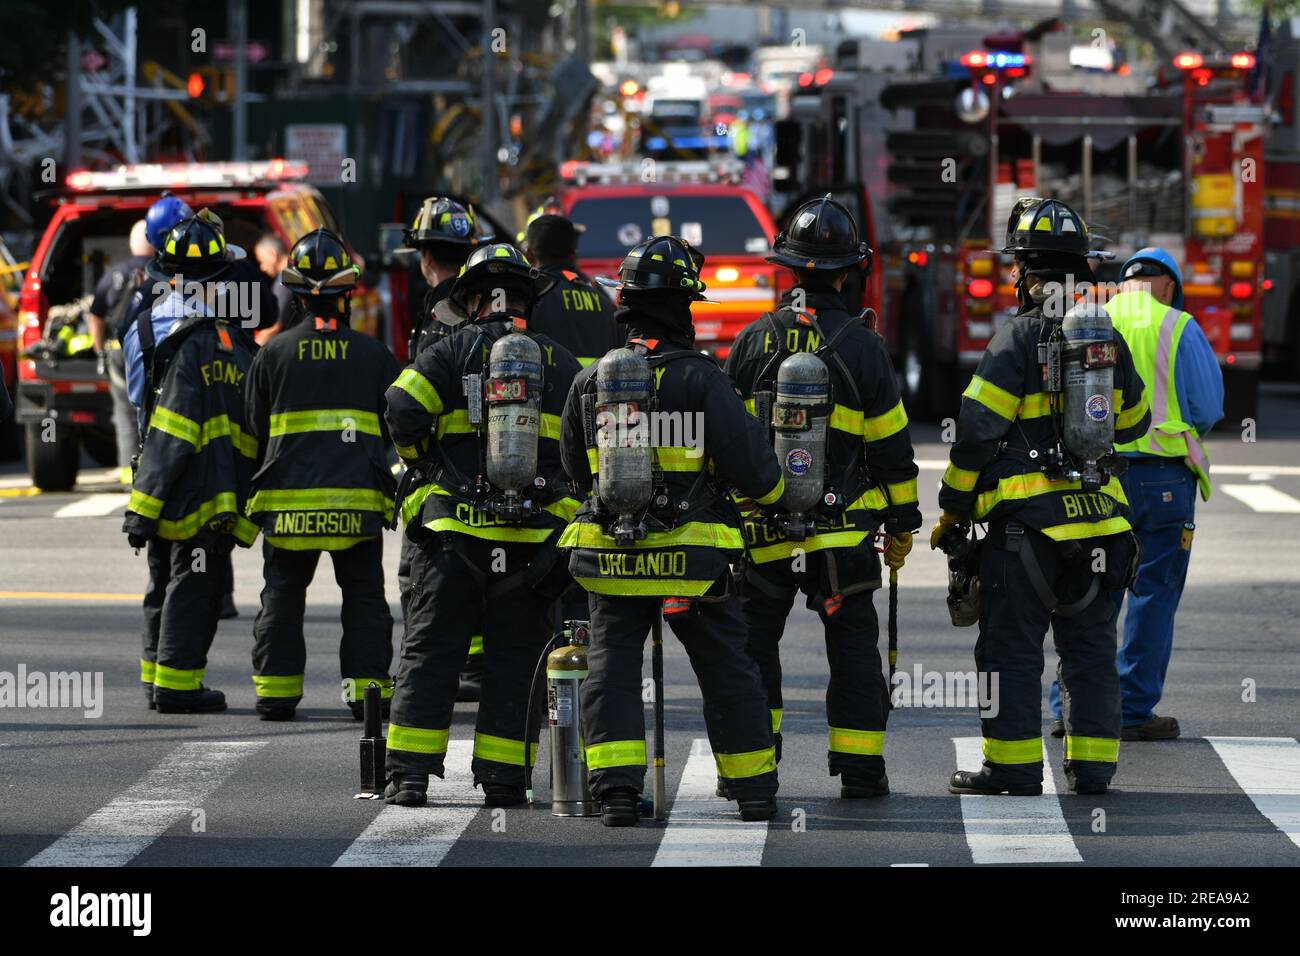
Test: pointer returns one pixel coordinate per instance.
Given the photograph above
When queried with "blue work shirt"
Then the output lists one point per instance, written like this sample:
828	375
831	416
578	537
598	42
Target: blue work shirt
164	314
1198	379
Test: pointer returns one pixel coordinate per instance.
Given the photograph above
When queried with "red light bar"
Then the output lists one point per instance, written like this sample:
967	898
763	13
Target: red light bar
81	179
975	58
1243	61
823	76
980	288
1188	61
1240	290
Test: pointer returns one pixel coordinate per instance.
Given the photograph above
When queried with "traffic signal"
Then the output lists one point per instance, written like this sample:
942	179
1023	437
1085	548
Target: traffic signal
211	84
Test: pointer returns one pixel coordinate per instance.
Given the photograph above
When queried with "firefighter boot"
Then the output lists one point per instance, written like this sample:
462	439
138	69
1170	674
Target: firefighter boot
148	696
970	781
620	807
205	700
856	788
502	795
408	790
762	808
270	708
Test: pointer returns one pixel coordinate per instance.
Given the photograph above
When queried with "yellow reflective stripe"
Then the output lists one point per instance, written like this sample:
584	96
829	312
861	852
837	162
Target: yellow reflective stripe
873	499
751	407
882	426
178	426
773	496
1130	416
417	740
593	461
324	420
169	678
1099	749
777	714
818	542
503	750
1036	405
321	543
961	479
902	492
147	670
653	587
491	533
476	645
616	753
1073	531
354	688
1013	751
995	399
454	423
585	360
317	499
274	686
222	427
751	764
412	503
846	419
420	389
146	506
187	527
1033	484
564	508
677	458
845	740
549	427
704	534
407	452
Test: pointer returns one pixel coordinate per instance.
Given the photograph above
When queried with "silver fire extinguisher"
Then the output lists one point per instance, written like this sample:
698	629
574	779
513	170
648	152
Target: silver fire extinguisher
566	668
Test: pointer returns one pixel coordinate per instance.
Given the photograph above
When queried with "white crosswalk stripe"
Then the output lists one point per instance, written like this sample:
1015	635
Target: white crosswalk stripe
422	836
1268	770
121	830
1264	499
1005	829
703	829
93	506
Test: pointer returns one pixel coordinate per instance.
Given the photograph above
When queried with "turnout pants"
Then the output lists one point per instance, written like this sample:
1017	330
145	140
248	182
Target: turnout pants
1009	656
182	604
279	648
474	661
451	595
735	707
857	694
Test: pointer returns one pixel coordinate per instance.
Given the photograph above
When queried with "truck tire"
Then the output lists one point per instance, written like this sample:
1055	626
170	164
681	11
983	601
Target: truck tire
11	440
1240	397
53	464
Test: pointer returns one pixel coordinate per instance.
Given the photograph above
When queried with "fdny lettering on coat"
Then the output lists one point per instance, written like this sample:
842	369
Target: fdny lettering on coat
221	372
581	300
318	349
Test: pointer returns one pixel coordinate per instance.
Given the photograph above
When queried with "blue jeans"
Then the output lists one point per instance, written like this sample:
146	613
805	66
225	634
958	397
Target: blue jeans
1162	508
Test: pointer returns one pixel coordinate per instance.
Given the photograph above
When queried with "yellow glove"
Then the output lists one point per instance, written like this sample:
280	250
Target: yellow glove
897	549
946	520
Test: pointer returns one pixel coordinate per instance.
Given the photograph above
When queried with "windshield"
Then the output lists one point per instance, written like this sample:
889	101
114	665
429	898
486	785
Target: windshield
676	109
717	225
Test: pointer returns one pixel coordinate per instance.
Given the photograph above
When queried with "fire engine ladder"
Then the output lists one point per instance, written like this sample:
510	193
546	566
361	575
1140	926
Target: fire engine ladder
1166	24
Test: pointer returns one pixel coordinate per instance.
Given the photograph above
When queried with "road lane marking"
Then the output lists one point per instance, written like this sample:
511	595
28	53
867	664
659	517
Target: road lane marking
69	596
93	506
1268	770
123	828
1263	498
1005	829
703	829
422	836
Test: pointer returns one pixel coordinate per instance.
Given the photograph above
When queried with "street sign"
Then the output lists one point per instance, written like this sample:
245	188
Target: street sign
322	146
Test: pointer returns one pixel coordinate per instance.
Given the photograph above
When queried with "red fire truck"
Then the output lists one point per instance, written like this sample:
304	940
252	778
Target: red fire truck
934	164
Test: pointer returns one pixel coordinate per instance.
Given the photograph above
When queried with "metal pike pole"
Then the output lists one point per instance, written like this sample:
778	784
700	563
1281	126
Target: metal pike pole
893	631
657	673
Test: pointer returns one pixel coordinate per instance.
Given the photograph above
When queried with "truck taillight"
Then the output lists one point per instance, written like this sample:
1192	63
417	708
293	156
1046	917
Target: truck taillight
1243	61
1241	290
980	288
1188	61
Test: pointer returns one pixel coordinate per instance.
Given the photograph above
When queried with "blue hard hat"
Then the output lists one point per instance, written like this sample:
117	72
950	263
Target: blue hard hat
1164	260
163	216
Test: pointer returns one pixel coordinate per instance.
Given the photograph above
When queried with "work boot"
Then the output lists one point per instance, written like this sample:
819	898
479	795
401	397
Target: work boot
471	681
358	708
1157	728
762	808
228	609
148	696
855	788
620	807
970	781
407	790
723	790
205	700
272	709
1089	787
1058	728
502	795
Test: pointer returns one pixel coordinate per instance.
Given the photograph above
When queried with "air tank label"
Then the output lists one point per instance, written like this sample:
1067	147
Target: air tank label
560	703
1097	408
798	461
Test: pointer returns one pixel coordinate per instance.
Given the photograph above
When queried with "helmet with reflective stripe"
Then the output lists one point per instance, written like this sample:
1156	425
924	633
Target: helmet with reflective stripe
821	235
319	263
196	248
666	264
443	221
1047	225
1155	261
163	216
498	266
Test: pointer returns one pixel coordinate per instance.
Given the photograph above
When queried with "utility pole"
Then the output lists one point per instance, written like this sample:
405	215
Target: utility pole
487	106
72	106
237	18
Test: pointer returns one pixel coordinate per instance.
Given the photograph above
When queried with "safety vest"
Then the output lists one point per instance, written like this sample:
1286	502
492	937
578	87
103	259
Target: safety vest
1154	344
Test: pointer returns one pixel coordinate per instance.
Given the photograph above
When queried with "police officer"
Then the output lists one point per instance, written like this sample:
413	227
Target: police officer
478	557
1166	468
1055	549
314	403
576	313
190	488
682	563
444	233
870	473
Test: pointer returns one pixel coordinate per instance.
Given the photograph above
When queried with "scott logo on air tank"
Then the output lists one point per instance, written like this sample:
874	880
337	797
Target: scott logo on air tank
798	461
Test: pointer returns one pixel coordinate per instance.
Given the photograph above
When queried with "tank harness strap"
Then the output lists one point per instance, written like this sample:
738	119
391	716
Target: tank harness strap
1017	543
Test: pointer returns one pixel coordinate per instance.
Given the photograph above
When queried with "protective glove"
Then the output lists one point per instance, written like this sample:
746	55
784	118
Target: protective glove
947	520
898	545
101	363
136	541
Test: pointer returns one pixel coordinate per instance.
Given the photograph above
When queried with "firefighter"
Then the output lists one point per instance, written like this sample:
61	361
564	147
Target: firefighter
314	403
444	233
870	473
485	552
689	533
187	502
1058	542
576	313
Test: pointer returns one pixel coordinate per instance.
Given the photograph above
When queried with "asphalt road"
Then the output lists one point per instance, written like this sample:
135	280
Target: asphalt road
131	787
